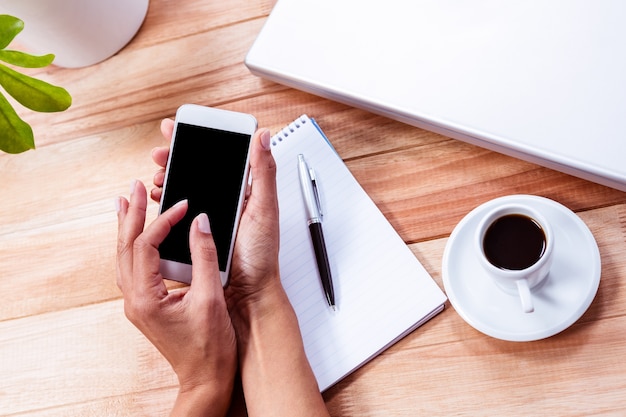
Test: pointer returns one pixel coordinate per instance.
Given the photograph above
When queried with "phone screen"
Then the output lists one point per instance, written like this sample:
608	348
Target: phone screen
206	168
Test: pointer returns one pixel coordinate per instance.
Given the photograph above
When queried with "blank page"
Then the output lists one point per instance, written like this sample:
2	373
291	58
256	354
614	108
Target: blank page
382	291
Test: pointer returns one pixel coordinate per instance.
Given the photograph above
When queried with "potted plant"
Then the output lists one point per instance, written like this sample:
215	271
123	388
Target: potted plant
79	33
15	134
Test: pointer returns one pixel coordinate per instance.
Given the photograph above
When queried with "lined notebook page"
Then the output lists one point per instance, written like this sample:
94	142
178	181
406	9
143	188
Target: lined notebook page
382	291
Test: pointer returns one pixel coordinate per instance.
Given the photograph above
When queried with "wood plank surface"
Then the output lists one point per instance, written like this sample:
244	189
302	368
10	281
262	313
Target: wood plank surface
66	348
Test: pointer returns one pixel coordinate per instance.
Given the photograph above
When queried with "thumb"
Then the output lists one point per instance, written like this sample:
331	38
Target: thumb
263	171
205	271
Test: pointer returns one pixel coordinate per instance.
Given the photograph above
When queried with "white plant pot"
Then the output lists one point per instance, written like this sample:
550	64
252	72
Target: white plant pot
78	32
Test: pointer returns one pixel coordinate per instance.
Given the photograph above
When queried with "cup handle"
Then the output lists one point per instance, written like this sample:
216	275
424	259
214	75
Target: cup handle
524	295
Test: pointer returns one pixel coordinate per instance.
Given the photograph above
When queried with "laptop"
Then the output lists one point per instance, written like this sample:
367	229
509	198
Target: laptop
541	80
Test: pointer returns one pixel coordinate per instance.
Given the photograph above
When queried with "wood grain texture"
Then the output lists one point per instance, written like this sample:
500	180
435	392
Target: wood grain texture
66	348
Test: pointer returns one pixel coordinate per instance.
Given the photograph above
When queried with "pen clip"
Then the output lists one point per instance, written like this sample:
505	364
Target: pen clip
316	193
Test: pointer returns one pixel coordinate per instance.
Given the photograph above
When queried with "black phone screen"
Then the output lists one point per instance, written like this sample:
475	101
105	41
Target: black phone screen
206	168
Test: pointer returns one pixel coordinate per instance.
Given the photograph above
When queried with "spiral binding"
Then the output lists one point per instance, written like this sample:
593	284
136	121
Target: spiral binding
289	129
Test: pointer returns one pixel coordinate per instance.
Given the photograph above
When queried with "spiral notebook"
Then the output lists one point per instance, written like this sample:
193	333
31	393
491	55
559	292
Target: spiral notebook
382	291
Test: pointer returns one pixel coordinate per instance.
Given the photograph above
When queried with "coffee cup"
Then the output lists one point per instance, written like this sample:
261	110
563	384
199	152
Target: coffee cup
514	243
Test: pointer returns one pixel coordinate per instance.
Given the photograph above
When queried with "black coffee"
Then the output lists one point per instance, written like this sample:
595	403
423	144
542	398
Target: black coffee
514	242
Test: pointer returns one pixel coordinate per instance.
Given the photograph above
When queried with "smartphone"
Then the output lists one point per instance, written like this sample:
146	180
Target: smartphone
208	165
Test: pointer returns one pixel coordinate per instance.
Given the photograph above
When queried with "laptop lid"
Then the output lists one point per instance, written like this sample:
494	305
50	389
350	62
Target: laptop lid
543	81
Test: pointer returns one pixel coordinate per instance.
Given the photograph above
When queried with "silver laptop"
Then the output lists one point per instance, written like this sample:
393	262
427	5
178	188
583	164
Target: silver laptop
541	80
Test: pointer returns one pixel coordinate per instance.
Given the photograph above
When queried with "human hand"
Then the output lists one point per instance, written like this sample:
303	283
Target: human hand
255	258
189	326
271	352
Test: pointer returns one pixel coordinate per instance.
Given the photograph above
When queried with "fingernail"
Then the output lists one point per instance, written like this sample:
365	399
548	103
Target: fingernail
133	185
118	205
265	139
203	223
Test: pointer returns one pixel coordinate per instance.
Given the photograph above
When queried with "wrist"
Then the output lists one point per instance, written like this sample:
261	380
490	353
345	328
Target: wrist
208	400
272	358
249	306
262	317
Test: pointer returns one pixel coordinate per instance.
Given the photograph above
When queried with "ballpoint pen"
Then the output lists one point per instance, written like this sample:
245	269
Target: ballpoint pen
314	220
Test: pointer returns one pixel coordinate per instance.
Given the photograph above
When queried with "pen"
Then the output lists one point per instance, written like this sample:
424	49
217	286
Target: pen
314	220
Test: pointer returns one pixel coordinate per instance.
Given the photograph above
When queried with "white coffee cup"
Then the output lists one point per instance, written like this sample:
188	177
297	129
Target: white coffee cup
514	243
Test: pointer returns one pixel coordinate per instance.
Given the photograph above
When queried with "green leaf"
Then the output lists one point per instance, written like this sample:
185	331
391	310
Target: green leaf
35	94
9	28
25	60
17	135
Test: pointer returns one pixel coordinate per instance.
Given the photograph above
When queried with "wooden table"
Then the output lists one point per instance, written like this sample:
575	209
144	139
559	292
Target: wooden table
66	348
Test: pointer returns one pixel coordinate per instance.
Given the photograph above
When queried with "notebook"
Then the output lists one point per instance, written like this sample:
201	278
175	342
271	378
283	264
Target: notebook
541	80
382	291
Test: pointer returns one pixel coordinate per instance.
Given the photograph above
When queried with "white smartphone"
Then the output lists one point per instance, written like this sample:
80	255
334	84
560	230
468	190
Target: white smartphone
208	165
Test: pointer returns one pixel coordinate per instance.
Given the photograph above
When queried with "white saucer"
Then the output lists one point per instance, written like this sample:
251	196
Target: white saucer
560	301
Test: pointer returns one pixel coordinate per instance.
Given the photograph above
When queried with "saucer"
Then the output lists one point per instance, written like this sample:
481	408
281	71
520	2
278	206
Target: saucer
565	295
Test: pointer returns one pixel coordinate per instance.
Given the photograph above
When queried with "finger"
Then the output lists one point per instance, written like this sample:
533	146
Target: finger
248	190
146	249
131	219
156	193
206	282
167	129
263	171
158	179
159	155
121	207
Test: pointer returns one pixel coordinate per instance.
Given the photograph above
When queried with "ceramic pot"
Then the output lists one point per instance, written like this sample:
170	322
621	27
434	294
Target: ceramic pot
78	32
